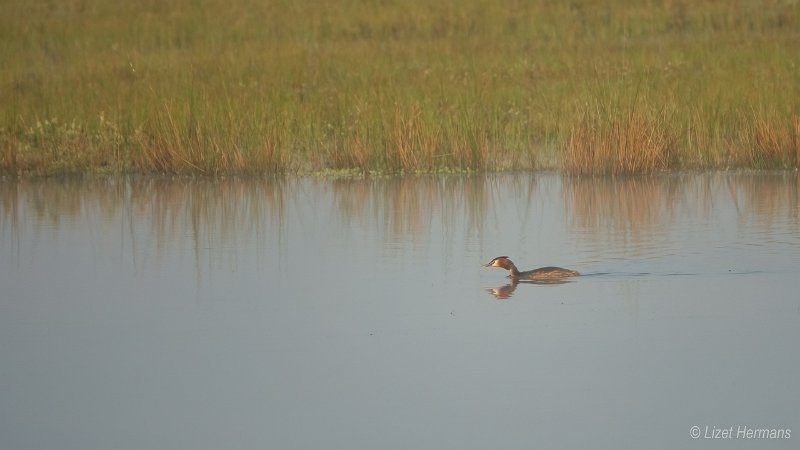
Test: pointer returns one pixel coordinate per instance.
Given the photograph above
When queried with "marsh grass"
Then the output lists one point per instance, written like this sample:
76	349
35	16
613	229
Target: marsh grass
633	140
244	86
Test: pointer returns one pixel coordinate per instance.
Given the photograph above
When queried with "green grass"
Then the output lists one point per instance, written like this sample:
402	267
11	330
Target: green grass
243	86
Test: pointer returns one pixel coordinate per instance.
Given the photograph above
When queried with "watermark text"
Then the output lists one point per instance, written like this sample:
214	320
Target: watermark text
738	432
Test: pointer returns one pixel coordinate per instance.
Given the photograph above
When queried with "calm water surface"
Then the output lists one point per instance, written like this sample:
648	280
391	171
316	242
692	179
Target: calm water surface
345	314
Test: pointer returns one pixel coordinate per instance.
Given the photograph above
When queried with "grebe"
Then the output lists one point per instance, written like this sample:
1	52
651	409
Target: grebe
542	273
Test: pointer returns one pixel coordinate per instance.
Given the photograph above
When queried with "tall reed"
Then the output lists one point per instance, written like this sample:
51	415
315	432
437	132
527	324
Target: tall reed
242	86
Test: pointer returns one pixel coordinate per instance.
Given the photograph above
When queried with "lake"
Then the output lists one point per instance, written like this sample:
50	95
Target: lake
299	313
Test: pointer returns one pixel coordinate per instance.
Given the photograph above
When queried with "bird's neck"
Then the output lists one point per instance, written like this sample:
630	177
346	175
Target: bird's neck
512	269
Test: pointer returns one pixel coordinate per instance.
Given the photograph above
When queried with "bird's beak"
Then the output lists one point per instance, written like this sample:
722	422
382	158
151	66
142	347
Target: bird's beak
488	264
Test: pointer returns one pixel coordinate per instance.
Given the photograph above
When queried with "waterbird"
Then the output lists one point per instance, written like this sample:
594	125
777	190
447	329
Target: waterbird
542	273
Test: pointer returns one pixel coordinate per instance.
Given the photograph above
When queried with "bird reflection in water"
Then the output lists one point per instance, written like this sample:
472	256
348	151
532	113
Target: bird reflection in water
504	292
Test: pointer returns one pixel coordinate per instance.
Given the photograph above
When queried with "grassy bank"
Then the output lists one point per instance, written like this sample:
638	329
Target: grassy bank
242	86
